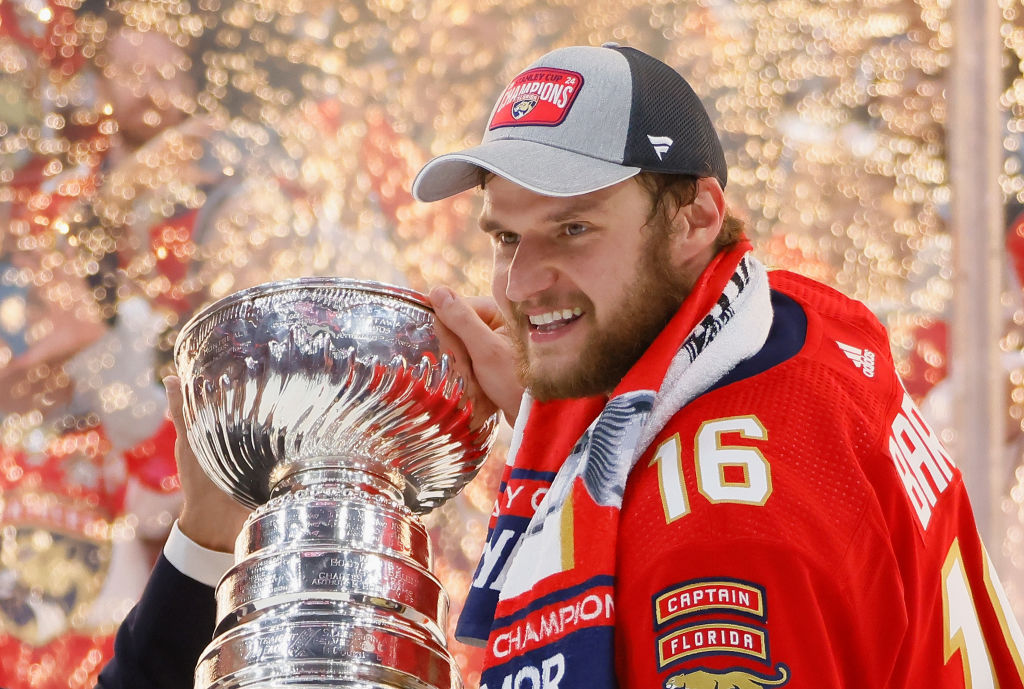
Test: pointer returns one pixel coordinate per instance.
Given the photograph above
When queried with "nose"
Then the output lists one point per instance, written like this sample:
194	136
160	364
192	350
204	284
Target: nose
529	272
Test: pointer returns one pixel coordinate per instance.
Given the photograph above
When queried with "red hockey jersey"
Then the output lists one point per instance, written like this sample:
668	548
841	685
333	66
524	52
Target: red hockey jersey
800	525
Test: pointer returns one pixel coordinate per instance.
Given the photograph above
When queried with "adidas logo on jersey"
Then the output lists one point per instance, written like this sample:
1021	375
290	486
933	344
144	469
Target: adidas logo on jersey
864	359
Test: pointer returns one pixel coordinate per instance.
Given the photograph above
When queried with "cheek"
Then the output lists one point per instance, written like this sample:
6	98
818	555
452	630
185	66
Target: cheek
604	292
499	292
499	278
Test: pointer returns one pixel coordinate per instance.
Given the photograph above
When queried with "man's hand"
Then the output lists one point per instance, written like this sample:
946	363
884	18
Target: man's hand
472	330
209	516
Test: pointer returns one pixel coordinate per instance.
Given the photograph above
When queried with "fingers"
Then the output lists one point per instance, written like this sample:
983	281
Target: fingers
209	516
182	450
183	454
474	322
487	310
467	318
451	343
463	367
472	329
175	403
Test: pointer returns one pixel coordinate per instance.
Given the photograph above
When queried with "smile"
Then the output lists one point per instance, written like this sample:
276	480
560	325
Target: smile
554	319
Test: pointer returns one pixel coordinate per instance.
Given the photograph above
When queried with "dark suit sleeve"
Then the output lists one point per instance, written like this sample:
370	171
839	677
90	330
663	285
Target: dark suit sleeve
159	642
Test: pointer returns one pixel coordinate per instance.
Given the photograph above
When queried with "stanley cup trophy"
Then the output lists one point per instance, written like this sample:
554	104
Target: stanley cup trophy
327	405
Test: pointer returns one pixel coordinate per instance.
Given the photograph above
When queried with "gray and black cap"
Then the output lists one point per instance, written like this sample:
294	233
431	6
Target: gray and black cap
581	119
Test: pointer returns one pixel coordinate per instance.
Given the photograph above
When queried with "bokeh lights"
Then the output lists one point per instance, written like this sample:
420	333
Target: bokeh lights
158	154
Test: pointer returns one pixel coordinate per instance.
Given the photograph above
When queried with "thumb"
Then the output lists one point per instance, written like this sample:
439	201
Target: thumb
458	315
175	403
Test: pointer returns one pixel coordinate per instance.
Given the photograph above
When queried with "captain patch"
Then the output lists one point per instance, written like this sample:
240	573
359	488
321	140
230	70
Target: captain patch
538	97
709	595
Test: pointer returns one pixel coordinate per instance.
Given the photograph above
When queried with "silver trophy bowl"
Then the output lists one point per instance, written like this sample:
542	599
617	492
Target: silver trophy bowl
327	405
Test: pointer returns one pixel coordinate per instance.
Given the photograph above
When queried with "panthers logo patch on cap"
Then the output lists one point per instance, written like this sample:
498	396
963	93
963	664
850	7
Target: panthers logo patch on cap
522	107
538	97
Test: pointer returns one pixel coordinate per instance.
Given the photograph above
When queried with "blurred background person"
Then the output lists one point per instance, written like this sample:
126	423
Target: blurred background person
87	466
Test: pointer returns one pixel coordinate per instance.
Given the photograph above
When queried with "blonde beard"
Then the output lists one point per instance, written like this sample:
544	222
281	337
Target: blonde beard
655	294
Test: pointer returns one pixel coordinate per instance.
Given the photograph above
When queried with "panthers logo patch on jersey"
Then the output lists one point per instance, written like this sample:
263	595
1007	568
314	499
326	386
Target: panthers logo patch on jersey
731	679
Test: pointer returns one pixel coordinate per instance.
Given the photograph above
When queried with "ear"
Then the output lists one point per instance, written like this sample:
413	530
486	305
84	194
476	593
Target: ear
696	226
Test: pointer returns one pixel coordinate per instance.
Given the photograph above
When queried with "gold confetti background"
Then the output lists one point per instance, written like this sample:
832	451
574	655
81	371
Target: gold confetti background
156	155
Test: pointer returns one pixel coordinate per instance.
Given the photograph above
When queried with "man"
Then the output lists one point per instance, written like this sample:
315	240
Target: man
737	491
716	478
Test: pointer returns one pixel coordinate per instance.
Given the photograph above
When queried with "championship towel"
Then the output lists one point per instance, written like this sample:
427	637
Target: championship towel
542	597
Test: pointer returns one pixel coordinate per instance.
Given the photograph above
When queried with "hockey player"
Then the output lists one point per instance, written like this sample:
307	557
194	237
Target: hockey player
737	490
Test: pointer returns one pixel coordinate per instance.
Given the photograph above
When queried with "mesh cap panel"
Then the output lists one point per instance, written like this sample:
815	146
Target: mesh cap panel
665	107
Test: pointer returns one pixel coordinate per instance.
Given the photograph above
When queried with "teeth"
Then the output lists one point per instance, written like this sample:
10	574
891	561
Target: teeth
552	316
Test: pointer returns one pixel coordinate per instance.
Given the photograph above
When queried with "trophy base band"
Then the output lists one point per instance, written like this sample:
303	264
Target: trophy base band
331	587
316	644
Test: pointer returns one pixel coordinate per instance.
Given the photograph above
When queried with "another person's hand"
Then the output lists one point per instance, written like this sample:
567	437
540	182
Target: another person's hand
209	516
472	330
34	379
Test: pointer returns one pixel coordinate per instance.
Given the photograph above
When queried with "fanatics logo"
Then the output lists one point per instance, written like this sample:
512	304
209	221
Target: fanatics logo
661	145
539	97
864	359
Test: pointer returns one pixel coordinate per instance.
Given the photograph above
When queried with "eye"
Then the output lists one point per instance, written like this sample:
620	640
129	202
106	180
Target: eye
574	229
505	238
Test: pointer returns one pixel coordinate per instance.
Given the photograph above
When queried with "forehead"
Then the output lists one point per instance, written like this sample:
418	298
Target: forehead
505	200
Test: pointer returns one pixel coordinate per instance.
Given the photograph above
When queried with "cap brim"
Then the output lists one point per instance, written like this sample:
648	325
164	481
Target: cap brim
538	167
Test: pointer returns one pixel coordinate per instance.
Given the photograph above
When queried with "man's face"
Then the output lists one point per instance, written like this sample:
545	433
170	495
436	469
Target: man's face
585	283
146	82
